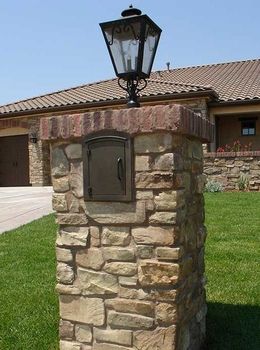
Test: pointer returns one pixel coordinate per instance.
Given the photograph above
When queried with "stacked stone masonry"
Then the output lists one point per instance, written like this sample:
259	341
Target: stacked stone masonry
131	275
233	168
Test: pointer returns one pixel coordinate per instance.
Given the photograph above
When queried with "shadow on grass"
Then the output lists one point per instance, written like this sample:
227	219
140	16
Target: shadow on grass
233	327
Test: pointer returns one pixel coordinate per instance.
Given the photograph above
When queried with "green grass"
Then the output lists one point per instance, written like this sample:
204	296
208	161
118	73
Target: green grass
233	271
29	306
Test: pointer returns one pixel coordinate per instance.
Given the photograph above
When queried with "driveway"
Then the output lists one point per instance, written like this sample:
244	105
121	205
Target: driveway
20	205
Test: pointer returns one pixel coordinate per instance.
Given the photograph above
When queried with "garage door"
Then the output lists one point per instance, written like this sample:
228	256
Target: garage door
14	161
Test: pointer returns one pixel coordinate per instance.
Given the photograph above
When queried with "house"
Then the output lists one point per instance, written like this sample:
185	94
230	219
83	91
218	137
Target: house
226	93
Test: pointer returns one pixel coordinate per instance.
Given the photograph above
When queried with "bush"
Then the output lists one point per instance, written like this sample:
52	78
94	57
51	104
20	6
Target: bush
213	186
243	182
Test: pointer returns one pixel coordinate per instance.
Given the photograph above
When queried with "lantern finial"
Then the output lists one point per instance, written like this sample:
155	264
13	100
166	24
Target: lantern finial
131	11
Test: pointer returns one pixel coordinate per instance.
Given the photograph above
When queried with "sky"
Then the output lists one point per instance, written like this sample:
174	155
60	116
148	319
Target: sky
49	45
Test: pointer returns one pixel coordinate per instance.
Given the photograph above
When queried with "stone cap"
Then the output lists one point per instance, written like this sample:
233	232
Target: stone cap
175	118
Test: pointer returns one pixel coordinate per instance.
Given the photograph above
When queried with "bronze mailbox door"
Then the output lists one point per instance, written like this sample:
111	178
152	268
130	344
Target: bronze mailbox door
107	163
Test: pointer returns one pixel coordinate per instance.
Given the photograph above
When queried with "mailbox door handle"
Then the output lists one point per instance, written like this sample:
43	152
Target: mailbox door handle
119	168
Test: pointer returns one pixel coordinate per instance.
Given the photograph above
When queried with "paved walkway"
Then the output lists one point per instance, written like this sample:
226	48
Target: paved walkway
20	205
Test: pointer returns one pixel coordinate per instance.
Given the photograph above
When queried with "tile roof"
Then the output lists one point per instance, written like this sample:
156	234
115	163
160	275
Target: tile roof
234	81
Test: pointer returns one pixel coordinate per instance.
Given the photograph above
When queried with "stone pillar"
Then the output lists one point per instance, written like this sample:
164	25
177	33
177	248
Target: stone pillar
131	275
39	157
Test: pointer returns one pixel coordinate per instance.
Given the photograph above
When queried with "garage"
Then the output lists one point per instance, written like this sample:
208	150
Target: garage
14	161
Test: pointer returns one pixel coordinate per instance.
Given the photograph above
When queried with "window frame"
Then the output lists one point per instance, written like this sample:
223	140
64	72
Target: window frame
245	126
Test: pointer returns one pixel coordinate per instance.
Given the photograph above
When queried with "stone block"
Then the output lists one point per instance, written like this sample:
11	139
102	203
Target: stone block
65	273
73	237
59	163
115	236
72	219
169	200
144	195
163	162
66	329
201	182
100	283
74	151
131	306
142	163
118	254
132	293
90	258
145	251
163	218
83	333
67	345
76	179
127	281
121	268
123	320
122	337
154	143
67	289
155	180
83	310
95	240
165	253
153	235
105	346
64	255
73	203
59	202
116	213
60	184
157	274
160	338
166	314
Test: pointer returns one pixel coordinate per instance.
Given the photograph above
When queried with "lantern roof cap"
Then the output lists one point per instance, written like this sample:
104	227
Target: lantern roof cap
131	11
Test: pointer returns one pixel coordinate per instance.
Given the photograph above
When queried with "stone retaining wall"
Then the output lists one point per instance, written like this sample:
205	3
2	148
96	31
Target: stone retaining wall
227	168
131	275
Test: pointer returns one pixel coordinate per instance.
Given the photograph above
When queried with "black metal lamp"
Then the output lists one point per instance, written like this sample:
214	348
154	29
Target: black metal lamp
33	137
132	43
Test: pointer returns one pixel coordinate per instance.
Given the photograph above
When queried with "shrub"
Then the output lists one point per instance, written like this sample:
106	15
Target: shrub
243	182
213	186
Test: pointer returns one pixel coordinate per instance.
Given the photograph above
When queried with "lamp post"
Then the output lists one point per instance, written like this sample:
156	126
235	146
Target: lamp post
132	42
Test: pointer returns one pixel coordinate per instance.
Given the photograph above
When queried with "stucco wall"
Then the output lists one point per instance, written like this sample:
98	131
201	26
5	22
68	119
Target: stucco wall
229	130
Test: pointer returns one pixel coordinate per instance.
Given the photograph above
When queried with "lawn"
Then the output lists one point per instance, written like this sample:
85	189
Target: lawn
233	271
29	307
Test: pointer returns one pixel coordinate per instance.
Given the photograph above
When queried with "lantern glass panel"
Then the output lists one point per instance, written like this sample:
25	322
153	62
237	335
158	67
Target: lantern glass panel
123	42
150	44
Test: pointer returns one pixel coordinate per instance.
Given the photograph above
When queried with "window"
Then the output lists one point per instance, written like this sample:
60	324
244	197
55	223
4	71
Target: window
248	127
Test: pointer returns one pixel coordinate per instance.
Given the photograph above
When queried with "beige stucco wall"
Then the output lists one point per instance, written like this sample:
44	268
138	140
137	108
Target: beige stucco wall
229	130
229	112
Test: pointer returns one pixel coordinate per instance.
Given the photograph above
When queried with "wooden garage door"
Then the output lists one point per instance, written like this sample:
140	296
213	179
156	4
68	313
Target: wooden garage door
14	161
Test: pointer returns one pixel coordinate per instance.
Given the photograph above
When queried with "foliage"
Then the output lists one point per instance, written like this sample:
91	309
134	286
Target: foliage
213	186
236	147
29	304
233	271
243	182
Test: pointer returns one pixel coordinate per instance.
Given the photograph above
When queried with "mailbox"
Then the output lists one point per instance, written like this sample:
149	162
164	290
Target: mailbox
107	167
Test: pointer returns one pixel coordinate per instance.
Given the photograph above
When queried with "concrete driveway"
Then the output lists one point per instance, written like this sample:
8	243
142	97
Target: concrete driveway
20	205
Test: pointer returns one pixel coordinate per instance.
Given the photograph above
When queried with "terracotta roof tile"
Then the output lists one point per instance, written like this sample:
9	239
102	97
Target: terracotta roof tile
234	81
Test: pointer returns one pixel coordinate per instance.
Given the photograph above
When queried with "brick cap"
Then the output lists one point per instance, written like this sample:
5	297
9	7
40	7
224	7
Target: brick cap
175	118
232	154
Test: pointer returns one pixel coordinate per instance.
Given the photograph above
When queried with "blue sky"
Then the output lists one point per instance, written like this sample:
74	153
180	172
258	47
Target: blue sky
47	45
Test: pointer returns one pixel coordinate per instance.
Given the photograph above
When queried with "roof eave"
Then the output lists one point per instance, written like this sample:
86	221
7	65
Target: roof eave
234	102
211	94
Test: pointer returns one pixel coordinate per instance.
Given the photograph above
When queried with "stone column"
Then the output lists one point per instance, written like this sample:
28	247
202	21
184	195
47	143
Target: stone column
131	275
39	157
